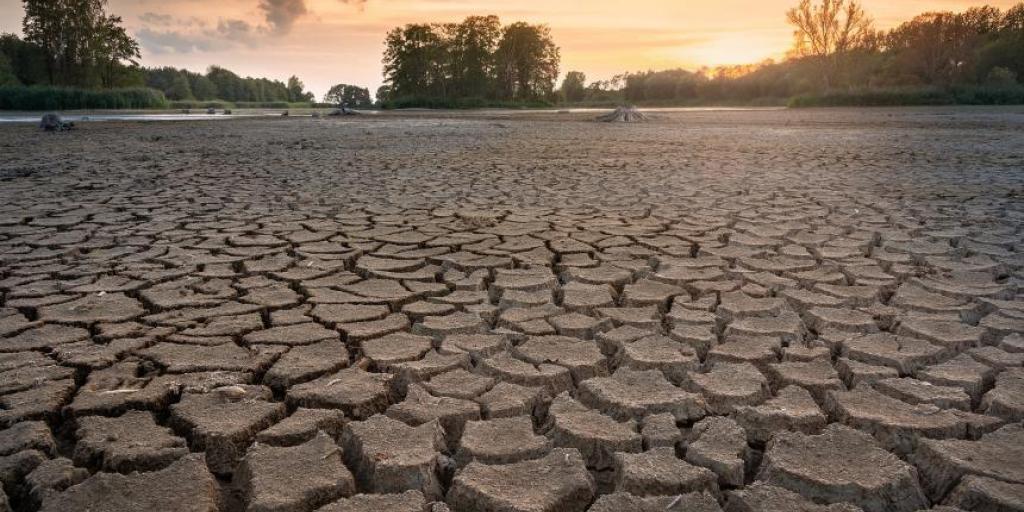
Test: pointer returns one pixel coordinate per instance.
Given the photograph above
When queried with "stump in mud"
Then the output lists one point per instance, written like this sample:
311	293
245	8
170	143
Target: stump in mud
623	115
51	122
211	111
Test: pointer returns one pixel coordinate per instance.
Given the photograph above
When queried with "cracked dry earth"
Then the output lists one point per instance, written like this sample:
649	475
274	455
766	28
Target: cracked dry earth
738	311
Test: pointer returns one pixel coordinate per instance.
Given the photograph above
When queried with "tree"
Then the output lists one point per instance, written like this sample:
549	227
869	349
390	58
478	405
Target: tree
472	44
82	45
526	62
7	76
112	47
349	96
827	31
414	60
297	90
574	86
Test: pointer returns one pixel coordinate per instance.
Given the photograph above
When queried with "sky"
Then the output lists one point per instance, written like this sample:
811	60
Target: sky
326	42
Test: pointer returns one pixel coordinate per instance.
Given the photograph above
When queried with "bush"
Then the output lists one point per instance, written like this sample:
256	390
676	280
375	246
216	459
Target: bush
71	98
460	103
189	104
959	95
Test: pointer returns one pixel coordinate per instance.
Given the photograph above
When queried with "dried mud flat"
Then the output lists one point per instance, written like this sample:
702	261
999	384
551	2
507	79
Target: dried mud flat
739	311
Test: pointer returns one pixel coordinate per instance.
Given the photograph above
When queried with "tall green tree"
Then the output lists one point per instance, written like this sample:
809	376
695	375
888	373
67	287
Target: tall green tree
349	96
297	90
827	31
526	62
574	86
82	45
471	48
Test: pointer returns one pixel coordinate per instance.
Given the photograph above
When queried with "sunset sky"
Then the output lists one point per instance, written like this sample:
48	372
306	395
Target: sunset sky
331	41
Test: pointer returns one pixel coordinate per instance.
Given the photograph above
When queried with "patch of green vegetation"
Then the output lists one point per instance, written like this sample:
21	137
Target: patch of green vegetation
958	95
73	98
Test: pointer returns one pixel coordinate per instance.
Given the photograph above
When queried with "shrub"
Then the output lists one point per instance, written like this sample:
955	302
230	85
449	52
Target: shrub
71	98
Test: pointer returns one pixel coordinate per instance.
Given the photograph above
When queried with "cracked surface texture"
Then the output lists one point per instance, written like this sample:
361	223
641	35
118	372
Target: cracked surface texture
760	310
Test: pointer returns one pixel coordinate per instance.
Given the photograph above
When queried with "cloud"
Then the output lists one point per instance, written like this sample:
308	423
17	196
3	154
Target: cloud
154	18
281	14
169	41
229	33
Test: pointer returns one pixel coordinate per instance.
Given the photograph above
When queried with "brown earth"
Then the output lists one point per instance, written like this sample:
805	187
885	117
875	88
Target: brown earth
814	310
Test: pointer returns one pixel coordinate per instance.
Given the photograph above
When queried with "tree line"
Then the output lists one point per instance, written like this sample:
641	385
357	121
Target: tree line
73	49
974	56
477	60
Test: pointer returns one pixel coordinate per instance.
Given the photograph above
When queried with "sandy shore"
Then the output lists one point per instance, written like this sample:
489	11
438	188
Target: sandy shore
750	310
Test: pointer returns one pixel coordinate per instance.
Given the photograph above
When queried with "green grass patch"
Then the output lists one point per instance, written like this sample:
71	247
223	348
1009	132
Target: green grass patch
71	98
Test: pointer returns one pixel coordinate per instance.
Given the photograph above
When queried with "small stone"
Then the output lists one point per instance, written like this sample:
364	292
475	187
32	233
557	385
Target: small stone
630	394
728	386
558	482
501	441
224	424
387	455
658	472
760	497
1006	400
719	444
660	430
794	409
943	463
358	393
303	477
593	434
872	478
185	486
302	426
130	442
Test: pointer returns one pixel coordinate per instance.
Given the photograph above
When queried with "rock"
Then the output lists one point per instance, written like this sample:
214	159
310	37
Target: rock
980	493
185	486
27	435
660	430
595	436
794	409
459	384
224	422
421	407
501	441
872	478
624	501
728	386
358	393
658	472
553	378
1006	400
943	463
387	455
904	353
760	497
408	501
304	363
719	444
630	394
131	442
51	122
623	115
505	400
962	371
558	482
302	425
674	359
896	424
818	377
915	391
583	358
303	477
52	476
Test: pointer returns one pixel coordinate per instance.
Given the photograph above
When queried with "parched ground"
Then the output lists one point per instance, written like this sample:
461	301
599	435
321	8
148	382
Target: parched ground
813	310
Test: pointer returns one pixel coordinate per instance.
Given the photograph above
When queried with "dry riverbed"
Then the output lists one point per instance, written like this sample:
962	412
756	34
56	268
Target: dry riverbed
816	310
